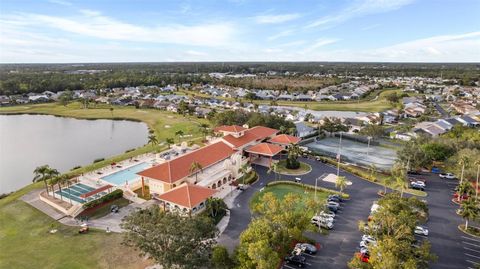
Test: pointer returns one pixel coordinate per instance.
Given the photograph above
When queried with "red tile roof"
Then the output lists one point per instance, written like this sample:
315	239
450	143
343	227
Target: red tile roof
187	195
230	128
179	168
91	193
265	149
250	135
285	139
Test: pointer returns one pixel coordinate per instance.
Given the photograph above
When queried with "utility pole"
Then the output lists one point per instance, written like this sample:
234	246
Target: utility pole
368	147
339	154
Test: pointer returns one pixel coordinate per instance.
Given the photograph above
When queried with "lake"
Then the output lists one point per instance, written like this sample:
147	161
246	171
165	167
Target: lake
28	141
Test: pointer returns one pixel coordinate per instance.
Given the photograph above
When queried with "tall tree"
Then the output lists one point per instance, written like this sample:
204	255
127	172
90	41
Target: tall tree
169	142
469	210
42	173
463	162
204	129
179	133
152	140
195	167
341	183
178	242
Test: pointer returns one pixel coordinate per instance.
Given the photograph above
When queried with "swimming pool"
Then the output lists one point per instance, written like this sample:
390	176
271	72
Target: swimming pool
128	174
74	192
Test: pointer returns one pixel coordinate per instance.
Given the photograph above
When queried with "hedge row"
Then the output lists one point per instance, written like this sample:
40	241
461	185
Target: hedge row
307	186
118	193
251	177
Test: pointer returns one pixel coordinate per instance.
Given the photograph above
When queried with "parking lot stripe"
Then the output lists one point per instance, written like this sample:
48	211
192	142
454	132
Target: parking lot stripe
475	263
473	256
471	244
469	238
288	266
475	250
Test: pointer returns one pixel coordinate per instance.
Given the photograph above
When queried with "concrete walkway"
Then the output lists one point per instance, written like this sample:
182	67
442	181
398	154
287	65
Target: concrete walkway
112	220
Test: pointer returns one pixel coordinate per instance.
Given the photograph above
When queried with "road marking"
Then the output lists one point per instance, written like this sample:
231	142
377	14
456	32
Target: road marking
472	249
288	266
472	262
473	256
471	244
469	238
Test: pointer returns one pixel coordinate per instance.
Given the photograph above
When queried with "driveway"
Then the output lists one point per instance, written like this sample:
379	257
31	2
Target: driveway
453	248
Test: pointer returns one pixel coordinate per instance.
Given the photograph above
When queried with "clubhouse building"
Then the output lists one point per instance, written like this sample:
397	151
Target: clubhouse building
184	183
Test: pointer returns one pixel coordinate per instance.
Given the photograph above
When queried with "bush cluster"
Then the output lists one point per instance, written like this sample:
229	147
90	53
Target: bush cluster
111	196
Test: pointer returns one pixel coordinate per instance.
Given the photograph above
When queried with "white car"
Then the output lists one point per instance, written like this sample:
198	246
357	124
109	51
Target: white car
320	218
328	214
419	183
297	179
374	208
447	175
420	230
370	238
332	203
366	243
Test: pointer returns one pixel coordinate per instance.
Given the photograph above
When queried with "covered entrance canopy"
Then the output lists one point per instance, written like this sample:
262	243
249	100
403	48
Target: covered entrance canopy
96	191
262	153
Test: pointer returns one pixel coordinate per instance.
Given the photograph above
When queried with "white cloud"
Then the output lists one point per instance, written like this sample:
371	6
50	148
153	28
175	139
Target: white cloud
60	2
278	18
195	53
93	24
279	35
320	43
359	8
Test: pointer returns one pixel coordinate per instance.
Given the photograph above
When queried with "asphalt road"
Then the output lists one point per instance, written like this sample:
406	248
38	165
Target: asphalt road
440	110
453	248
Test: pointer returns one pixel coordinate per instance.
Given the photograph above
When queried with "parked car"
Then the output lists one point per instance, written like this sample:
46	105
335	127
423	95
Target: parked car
332	208
333	203
298	180
337	197
367	237
421	230
322	218
307	248
447	175
322	223
297	260
416	186
327	213
364	257
366	243
333	199
114	208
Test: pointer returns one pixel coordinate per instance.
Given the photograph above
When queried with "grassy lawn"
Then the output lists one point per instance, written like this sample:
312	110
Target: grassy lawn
303	169
164	124
280	190
24	237
104	210
26	243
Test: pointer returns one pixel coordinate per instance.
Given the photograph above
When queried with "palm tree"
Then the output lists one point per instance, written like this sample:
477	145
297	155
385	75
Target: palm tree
204	129
111	110
477	163
243	169
341	183
215	205
469	211
179	133
464	161
373	171
42	173
152	139
170	141
293	153
194	168
282	129
273	168
464	188
400	184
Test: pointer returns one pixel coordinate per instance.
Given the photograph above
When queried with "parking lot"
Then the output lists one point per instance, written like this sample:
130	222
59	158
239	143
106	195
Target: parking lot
453	248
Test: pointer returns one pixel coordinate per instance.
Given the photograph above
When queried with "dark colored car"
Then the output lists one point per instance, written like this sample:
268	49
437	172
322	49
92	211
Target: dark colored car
332	208
297	260
114	209
416	186
336	196
334	199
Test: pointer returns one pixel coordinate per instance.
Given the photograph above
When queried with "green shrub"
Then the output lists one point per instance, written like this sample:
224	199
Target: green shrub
250	177
118	193
129	150
75	168
308	187
98	160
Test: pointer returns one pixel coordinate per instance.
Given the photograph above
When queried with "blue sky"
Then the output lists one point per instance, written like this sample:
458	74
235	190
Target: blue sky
239	30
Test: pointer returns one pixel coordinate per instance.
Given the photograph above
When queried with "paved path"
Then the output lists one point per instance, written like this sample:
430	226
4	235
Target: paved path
32	198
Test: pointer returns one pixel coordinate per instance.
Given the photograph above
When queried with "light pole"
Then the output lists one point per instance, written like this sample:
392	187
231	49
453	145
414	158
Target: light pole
316	187
339	154
368	145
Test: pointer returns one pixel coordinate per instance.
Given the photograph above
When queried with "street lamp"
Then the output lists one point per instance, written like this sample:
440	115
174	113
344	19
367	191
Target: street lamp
368	147
339	154
316	186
